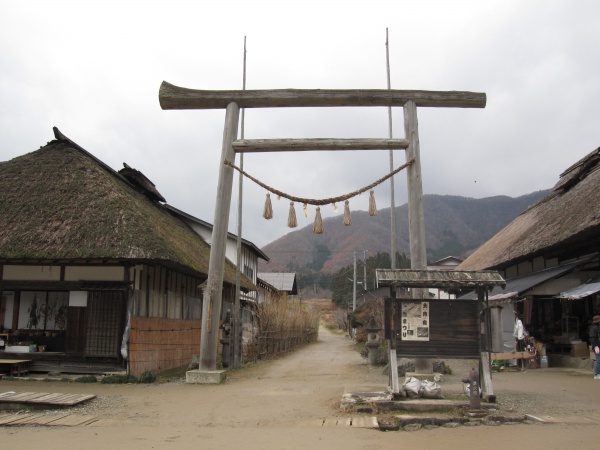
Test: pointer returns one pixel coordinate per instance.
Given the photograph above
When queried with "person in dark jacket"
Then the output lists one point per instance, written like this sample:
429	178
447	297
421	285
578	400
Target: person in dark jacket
595	342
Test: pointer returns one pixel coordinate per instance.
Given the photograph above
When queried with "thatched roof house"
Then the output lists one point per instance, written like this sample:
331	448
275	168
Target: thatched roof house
60	203
564	224
96	269
549	255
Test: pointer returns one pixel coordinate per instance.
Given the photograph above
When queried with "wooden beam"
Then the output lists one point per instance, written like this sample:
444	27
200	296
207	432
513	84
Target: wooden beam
324	144
175	97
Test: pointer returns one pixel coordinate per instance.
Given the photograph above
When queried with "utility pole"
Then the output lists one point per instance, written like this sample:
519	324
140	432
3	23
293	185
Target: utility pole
354	285
391	156
365	270
236	334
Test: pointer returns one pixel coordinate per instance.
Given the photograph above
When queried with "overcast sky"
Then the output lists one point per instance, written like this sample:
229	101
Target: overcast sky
94	68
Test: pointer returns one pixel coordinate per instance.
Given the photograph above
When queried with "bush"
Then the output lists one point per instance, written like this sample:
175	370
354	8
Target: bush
362	316
86	379
120	379
381	358
148	377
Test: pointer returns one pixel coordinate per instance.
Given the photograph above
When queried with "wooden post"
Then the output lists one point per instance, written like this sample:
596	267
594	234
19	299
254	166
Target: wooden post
485	369
392	355
213	295
416	217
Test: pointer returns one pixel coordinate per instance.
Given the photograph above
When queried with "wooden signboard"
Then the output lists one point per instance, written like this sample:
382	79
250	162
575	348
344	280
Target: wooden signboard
434	328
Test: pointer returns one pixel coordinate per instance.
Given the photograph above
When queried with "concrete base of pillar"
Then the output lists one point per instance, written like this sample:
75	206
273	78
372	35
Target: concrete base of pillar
423	365
205	376
424	376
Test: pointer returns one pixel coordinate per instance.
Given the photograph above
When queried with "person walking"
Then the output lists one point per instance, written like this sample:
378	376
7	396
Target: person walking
519	334
595	342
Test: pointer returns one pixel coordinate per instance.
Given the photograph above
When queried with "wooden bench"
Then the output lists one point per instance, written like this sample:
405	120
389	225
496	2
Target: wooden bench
511	355
18	367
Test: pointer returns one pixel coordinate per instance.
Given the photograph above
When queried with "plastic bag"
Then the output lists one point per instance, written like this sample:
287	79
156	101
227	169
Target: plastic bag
431	389
412	387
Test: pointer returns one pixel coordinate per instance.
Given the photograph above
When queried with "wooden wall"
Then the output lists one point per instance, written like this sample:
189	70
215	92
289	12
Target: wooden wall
161	292
157	344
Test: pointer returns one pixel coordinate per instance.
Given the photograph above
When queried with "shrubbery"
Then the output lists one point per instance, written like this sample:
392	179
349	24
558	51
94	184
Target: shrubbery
148	377
120	379
86	379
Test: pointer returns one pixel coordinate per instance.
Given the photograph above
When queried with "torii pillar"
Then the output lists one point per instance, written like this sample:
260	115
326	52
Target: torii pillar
173	97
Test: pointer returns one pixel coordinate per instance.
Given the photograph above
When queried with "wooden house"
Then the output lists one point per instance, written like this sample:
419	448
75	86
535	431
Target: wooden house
551	248
447	263
96	268
278	283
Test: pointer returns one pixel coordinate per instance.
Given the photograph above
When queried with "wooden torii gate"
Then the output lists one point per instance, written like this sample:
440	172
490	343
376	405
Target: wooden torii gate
174	97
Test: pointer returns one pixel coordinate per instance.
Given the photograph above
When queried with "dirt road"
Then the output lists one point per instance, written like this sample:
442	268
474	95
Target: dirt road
282	405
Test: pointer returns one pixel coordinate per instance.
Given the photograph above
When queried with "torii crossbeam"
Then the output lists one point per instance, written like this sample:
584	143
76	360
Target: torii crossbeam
174	97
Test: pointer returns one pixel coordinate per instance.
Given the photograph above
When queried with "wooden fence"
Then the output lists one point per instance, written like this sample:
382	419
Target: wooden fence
157	344
270	343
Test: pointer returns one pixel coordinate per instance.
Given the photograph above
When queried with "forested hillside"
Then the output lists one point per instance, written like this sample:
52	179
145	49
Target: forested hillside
453	226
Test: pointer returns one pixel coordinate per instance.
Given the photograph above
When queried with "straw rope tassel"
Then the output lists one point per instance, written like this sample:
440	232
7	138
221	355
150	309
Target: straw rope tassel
347	218
318	225
292	222
372	205
268	211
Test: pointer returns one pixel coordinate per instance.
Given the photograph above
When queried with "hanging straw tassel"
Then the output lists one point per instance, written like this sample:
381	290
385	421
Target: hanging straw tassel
268	211
347	218
292	222
306	211
318	225
372	205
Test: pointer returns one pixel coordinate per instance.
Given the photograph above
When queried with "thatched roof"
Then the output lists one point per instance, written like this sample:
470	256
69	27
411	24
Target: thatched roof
61	204
565	224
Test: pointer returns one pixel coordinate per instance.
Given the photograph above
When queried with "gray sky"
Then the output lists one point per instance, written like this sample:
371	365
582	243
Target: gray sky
94	68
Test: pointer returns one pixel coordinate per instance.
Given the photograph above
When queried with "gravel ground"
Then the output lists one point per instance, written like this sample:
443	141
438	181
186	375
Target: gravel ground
293	403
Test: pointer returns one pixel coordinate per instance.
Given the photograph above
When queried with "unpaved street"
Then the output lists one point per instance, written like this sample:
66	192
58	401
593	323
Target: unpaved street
282	405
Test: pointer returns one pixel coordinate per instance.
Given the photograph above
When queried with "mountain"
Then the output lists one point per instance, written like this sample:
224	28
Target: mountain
453	226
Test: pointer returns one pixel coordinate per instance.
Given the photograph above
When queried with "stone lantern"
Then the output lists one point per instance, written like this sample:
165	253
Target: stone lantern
372	340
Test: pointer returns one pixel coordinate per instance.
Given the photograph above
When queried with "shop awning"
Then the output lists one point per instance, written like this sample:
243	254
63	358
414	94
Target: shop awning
581	291
522	284
506	296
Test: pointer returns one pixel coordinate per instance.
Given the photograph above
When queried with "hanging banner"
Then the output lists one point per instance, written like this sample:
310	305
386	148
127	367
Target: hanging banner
415	321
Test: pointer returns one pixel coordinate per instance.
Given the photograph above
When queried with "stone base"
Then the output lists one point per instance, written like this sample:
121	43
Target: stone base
205	376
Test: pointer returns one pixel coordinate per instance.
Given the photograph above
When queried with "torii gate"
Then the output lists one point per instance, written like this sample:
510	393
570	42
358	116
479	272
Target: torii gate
174	97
